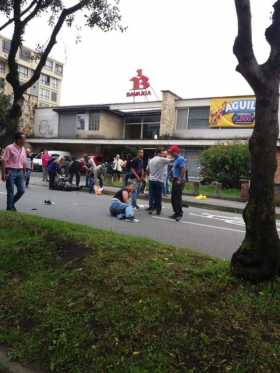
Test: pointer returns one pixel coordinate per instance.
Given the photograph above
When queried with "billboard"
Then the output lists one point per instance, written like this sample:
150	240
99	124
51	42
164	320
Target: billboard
233	112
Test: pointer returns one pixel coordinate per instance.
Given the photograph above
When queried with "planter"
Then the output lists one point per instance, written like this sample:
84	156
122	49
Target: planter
244	190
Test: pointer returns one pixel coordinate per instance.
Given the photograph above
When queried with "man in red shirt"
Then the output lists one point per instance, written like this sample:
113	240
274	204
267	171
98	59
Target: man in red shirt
13	170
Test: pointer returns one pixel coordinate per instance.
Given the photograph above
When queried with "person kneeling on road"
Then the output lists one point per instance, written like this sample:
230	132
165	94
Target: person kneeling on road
120	206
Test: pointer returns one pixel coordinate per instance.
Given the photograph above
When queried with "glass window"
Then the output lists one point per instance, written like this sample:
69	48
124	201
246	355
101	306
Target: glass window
45	93
33	90
133	120
2	67
94	121
151	131
49	65
54	83
45	79
198	117
54	96
25	54
81	122
22	72
58	69
182	119
6	46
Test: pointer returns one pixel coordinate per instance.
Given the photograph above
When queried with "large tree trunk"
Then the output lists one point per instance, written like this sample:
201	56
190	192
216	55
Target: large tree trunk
15	112
258	258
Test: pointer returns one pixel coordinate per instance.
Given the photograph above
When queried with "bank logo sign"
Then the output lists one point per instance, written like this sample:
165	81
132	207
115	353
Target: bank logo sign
232	112
140	85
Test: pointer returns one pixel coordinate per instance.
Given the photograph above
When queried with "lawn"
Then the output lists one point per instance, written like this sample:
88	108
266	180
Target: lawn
208	190
78	300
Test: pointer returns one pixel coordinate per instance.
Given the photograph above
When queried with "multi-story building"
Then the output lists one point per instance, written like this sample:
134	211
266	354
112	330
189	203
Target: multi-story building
194	124
44	93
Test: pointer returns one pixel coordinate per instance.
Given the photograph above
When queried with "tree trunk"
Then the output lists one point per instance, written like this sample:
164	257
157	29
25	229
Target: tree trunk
258	258
15	112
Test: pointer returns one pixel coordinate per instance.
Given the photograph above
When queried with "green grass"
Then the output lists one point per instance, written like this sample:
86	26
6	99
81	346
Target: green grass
79	300
208	190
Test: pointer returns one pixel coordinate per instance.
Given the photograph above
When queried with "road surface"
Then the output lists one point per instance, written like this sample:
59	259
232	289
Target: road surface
211	232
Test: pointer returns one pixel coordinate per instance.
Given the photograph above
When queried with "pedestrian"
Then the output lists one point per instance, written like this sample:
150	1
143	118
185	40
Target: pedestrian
45	161
179	172
118	164
75	170
54	168
120	206
89	167
127	170
155	170
99	174
29	166
137	176
13	170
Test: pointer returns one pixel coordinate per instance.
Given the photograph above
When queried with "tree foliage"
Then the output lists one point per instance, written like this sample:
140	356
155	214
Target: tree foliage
7	125
102	14
226	164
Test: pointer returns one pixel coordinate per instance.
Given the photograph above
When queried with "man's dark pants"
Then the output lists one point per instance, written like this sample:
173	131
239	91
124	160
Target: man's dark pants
52	176
77	176
176	198
155	189
15	177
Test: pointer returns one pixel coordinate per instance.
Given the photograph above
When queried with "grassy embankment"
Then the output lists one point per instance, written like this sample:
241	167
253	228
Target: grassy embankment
78	300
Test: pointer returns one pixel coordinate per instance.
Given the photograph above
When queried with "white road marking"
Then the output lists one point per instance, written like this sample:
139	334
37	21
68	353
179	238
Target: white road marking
200	225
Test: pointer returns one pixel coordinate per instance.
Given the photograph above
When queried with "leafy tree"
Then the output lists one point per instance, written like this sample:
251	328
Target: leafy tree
226	164
258	258
102	14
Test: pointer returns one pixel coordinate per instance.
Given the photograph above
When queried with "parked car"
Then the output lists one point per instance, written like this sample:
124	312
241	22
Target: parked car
37	161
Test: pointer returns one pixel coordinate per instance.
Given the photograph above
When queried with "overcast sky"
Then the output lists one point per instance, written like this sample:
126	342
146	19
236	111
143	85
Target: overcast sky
182	45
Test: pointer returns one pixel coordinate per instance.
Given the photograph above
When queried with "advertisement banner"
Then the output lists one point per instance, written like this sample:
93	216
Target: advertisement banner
232	112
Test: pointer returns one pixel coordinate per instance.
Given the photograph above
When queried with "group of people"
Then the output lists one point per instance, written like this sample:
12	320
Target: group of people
17	166
124	202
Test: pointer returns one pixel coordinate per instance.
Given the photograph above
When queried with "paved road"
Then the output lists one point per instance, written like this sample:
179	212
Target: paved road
211	232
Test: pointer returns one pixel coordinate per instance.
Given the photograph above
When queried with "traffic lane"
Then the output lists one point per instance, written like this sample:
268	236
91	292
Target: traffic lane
216	238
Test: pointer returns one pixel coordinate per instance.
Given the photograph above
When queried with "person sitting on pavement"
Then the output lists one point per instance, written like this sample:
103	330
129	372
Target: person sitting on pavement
53	170
120	206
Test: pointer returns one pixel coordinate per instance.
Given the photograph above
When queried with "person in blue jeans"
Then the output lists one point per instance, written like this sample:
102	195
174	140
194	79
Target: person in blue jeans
137	175
13	170
120	206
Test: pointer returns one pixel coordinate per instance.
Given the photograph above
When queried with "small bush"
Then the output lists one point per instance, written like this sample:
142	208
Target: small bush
226	164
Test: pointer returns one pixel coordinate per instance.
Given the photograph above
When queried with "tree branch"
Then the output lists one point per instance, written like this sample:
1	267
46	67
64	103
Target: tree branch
10	21
243	47
64	14
272	35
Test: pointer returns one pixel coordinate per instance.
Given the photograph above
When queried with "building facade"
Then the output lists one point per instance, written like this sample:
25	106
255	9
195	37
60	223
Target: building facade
112	128
44	93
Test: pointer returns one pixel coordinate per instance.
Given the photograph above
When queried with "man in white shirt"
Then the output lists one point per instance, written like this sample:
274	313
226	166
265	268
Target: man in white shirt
155	170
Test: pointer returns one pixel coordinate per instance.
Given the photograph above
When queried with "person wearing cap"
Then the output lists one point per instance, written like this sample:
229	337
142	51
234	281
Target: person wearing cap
179	172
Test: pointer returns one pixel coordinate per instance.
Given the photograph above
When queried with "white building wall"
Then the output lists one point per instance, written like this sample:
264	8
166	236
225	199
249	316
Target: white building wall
46	123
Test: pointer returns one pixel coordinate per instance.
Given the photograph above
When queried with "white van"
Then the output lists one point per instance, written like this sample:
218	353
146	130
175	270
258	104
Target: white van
37	161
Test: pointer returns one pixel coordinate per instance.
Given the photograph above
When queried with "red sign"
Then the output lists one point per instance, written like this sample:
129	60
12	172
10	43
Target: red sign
141	85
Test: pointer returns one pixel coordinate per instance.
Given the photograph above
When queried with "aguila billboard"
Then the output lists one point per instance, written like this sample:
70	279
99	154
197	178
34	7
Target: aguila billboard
232	112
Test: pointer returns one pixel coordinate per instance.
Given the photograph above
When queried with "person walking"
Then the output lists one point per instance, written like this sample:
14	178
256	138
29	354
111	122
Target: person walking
120	206
53	170
137	176
155	170
29	167
179	172
13	170
75	170
45	162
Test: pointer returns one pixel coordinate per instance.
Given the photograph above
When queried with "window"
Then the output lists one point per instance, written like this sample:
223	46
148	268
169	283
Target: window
45	93
58	69
2	67
81	122
45	79
2	84
49	65
25	54
22	72
94	121
54	83
54	96
182	119
198	117
6	46
33	90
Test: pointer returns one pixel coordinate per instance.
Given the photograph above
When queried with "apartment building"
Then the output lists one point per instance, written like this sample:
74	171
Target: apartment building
44	93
